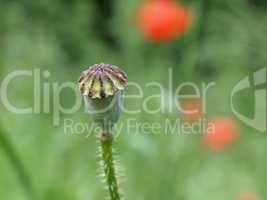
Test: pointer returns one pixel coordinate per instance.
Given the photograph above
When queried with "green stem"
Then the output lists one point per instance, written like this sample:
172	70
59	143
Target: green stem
109	169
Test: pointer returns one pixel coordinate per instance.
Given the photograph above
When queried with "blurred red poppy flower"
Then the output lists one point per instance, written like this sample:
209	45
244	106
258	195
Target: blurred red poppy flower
163	20
224	132
248	196
192	110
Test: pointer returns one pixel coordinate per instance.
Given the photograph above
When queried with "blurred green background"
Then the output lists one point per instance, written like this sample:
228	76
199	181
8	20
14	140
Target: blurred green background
226	42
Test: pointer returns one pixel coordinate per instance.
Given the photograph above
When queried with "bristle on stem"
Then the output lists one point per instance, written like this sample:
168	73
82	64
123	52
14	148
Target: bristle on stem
109	168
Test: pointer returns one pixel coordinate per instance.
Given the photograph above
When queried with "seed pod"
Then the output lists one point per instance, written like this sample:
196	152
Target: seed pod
102	86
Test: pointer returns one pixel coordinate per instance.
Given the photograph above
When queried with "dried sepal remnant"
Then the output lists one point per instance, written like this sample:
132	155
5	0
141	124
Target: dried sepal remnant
102	80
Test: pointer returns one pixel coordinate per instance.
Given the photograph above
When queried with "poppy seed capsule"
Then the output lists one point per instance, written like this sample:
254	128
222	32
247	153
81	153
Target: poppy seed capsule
102	86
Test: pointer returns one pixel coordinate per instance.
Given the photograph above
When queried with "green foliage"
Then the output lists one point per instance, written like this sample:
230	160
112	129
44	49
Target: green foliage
226	42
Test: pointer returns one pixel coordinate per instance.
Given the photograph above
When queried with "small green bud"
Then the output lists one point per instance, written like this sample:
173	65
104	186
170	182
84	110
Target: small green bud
102	86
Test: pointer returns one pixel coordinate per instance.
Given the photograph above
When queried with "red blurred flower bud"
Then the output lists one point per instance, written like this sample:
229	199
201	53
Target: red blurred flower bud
224	133
162	20
192	110
247	196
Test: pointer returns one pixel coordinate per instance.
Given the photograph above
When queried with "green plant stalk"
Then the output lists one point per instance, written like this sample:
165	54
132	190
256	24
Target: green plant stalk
109	168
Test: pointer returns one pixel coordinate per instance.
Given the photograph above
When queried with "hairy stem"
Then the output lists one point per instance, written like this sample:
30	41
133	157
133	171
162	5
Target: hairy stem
109	168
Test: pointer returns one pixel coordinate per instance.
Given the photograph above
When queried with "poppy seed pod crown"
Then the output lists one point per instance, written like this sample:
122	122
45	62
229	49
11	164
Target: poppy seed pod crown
102	80
102	86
